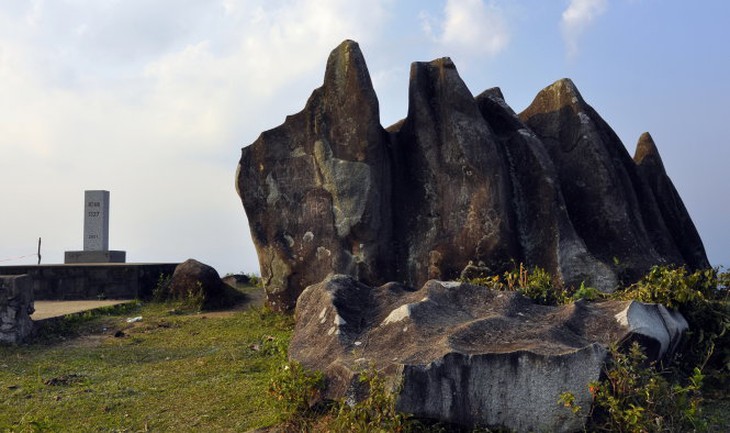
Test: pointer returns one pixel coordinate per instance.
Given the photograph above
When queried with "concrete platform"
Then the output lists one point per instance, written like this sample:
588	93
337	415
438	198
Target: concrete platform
49	309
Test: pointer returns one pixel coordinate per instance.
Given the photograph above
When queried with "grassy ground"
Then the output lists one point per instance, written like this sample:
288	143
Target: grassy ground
168	372
171	371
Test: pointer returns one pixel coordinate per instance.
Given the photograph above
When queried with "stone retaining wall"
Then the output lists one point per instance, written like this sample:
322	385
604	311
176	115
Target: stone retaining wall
92	281
16	306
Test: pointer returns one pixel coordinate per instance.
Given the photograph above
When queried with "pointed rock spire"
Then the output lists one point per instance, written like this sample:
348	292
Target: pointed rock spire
646	152
452	188
316	189
610	206
682	229
546	236
461	183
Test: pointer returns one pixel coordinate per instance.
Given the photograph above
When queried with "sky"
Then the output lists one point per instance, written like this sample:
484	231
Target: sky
152	100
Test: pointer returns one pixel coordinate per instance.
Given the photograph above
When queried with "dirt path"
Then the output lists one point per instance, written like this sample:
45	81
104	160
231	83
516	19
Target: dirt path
49	309
255	297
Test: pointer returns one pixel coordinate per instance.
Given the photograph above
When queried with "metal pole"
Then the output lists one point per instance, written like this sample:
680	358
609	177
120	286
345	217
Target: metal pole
39	251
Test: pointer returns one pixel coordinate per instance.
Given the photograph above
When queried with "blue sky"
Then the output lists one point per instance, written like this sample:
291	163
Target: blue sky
153	100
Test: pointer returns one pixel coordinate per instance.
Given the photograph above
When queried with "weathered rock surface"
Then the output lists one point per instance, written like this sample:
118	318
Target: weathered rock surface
466	354
546	235
611	207
451	188
16	306
461	184
676	217
317	189
194	277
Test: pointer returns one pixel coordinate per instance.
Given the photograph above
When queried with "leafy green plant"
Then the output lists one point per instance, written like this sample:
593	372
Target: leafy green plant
636	397
159	293
254	280
702	298
673	287
536	283
587	293
376	413
297	389
192	299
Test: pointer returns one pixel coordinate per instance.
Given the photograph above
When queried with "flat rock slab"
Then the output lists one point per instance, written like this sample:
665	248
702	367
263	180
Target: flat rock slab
50	309
469	355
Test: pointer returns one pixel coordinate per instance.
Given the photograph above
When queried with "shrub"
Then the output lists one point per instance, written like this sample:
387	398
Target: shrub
587	293
192	299
376	413
536	284
636	397
702	298
159	293
297	389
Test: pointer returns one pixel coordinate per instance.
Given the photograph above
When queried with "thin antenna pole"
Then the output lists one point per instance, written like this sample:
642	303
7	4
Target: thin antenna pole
39	251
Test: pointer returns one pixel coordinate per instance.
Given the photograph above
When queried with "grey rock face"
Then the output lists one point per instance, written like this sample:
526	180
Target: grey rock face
651	169
545	232
611	207
16	306
452	190
462	184
317	189
466	354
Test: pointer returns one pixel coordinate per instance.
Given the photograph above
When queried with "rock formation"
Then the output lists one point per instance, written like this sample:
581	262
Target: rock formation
676	217
461	183
317	189
193	278
609	203
470	355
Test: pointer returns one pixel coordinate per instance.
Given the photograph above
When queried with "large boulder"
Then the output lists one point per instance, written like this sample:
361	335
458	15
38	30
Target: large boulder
16	306
195	279
461	184
466	354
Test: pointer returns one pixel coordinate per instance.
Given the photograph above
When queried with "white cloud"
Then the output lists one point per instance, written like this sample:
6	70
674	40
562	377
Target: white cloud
153	103
470	27
576	18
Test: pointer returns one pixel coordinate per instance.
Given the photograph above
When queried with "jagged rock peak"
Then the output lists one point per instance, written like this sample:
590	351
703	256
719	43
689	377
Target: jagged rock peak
315	188
494	93
460	183
438	78
650	167
562	93
347	70
647	152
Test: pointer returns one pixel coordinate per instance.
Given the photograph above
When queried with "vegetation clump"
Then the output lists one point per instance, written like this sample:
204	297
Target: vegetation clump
635	395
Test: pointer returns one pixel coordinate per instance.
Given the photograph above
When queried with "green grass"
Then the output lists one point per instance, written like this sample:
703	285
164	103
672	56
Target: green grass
173	371
169	372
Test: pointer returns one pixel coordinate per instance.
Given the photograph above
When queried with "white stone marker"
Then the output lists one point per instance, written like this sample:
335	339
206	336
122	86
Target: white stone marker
96	220
96	232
